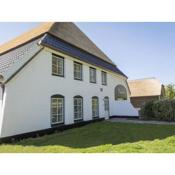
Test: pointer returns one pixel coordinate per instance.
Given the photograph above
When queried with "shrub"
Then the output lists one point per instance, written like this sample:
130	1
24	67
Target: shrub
146	111
159	110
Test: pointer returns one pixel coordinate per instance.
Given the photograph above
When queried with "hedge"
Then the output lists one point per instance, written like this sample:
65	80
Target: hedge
158	110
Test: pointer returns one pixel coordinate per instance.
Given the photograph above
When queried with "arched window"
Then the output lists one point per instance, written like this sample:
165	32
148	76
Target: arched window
57	109
120	93
78	108
95	107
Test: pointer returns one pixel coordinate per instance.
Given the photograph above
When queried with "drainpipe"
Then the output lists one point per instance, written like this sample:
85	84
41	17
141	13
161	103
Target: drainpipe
2	85
3	90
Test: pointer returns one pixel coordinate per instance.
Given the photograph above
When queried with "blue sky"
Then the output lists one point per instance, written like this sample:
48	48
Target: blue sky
139	49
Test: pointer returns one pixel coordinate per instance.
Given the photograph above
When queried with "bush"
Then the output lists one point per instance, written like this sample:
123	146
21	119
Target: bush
159	110
146	111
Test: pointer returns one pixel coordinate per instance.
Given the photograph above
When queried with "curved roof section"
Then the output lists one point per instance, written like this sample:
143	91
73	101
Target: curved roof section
145	87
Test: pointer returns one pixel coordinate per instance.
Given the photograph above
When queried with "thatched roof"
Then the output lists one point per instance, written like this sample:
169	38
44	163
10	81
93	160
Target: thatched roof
66	31
145	87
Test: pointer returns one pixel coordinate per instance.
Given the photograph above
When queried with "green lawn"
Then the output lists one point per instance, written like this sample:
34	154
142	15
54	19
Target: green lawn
102	137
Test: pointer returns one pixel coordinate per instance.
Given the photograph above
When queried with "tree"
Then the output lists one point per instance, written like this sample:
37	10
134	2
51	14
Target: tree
170	91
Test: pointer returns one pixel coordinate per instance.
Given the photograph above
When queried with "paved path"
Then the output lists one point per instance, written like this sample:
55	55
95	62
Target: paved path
139	121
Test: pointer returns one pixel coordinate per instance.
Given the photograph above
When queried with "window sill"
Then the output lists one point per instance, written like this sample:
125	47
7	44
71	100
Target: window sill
94	82
57	124
121	100
78	79
95	118
78	120
58	75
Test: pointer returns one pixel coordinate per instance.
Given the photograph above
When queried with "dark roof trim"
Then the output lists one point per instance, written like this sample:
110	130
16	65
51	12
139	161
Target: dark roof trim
64	47
145	96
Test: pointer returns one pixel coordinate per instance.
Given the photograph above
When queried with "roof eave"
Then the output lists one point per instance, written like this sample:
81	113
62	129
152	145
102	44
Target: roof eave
51	42
155	95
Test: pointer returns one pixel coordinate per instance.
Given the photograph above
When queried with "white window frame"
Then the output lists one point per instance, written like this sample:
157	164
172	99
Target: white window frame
95	110
92	75
78	73
104	78
106	103
123	90
58	66
79	105
55	104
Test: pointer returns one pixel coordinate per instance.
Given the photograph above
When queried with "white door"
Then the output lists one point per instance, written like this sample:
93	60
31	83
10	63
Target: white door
106	107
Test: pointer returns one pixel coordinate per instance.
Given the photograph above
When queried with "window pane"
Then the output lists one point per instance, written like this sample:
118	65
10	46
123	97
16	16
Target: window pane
60	66
120	93
54	100
54	110
92	75
54	69
54	61
60	110
60	118
104	78
77	71
106	104
78	108
57	65
95	107
57	110
75	108
54	118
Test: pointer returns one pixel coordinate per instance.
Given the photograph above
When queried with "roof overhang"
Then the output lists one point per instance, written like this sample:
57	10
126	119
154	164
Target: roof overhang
66	48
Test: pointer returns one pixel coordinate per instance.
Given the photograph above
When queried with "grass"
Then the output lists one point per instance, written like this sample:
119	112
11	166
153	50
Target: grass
101	137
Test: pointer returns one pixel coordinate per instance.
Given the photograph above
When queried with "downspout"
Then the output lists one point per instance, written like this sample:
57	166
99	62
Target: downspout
3	90
2	86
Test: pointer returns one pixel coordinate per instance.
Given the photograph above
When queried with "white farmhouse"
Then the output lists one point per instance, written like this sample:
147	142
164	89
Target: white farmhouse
54	76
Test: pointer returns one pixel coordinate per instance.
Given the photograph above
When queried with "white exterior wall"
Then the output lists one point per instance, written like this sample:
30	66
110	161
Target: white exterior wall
1	96
123	108
26	106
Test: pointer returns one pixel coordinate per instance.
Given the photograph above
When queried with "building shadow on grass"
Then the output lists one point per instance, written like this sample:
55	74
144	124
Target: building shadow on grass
102	133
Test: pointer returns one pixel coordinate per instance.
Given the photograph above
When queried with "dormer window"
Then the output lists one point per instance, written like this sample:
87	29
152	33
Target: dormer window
57	65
